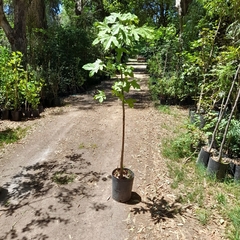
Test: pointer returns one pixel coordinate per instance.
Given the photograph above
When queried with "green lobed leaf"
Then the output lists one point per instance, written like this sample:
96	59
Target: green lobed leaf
130	102
98	65
100	96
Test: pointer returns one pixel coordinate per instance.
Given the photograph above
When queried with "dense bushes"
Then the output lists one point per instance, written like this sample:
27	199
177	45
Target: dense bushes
65	50
18	86
199	62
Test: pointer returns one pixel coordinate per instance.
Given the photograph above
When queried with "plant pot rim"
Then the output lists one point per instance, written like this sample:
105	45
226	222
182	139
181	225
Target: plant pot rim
224	160
125	177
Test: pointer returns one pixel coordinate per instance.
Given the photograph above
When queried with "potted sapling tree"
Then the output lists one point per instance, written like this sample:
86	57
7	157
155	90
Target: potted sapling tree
117	34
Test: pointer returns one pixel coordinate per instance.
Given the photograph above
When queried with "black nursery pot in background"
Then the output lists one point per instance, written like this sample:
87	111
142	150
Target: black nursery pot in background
196	118
5	114
203	157
16	115
237	173
218	169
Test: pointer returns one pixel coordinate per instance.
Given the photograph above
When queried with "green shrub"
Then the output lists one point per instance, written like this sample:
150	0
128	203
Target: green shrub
234	216
9	135
183	145
17	85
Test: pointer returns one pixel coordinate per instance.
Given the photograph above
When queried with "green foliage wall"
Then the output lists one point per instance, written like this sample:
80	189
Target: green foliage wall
17	85
202	59
61	52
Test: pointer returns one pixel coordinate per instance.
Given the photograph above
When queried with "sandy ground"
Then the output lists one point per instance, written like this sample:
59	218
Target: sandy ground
81	142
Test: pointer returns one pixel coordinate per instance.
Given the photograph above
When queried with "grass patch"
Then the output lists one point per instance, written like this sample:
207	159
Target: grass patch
9	135
63	178
81	146
87	146
203	216
164	109
234	215
212	200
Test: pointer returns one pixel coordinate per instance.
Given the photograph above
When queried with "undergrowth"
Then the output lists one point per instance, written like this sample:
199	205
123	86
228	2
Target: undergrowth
63	178
10	135
212	200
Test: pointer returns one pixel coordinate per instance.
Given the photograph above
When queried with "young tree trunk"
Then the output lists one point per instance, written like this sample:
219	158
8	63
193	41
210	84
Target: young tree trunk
123	137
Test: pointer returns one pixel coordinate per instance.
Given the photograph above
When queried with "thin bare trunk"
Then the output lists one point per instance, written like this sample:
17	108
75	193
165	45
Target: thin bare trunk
165	64
123	136
206	67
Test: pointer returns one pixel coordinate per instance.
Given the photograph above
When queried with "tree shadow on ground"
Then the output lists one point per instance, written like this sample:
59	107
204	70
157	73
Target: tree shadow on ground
37	183
12	234
135	199
140	70
99	206
160	209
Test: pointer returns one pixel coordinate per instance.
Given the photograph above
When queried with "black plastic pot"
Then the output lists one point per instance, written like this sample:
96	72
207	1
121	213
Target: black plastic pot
16	115
237	173
35	113
203	157
217	169
232	168
27	114
5	115
122	187
40	108
196	118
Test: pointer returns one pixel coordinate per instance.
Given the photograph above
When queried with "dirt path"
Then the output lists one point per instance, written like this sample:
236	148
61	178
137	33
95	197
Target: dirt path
80	142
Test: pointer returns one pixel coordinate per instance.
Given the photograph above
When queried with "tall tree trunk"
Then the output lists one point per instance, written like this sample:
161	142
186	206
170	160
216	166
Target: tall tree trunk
20	43
17	35
36	15
102	12
78	7
5	25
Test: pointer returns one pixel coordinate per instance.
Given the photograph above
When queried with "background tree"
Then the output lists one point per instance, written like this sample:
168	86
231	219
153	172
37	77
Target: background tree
16	35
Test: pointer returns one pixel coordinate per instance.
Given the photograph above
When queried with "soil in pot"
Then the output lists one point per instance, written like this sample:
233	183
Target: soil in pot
122	187
216	168
203	156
